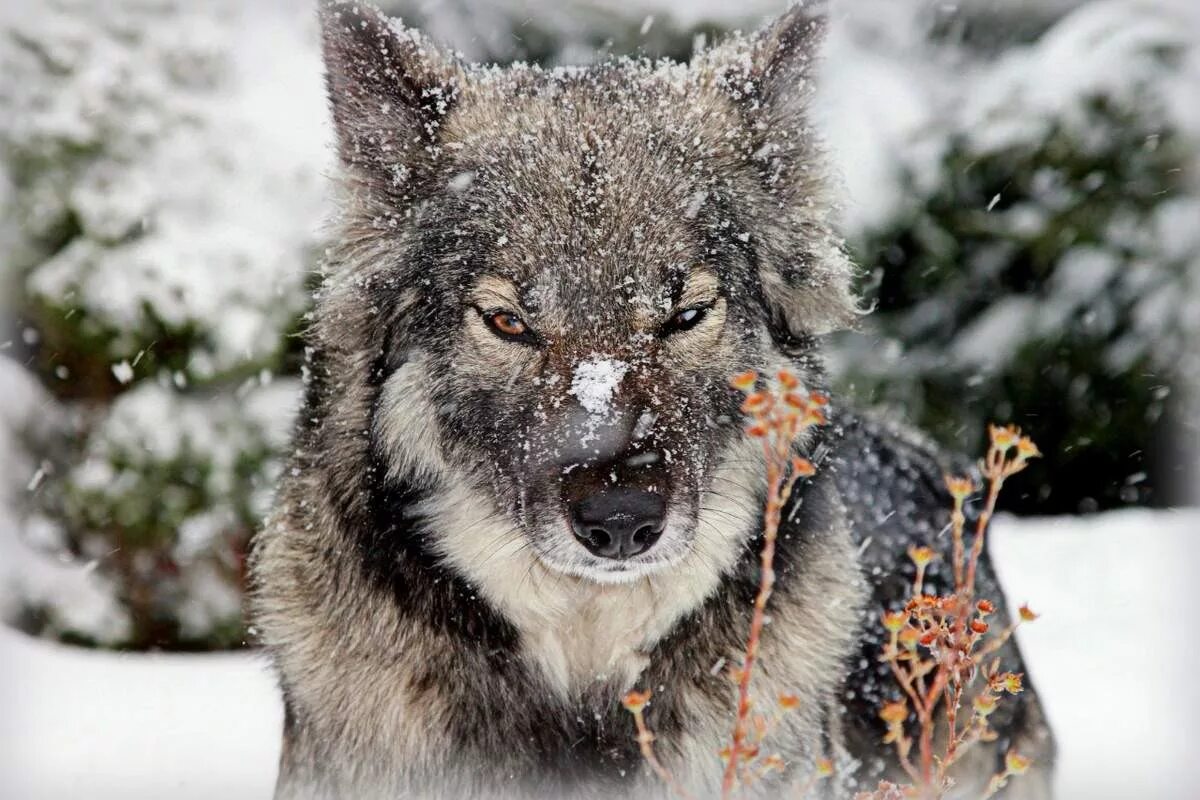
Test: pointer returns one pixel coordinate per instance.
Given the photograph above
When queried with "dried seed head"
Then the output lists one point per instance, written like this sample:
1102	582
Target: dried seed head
814	416
921	556
1011	682
744	381
985	704
894	620
894	712
635	701
802	467
795	401
960	488
1004	437
757	403
1016	764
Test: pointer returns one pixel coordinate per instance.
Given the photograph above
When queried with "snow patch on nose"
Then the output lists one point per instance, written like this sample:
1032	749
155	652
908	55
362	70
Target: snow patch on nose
595	383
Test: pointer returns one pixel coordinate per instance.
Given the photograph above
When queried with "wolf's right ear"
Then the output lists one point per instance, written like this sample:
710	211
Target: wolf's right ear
805	275
388	87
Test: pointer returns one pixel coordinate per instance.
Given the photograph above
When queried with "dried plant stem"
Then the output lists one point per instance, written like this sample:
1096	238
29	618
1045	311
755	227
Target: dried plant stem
778	491
995	482
778	417
635	703
952	630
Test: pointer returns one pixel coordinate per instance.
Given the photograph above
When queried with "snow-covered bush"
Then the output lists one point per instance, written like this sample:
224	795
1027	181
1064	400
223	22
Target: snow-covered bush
1039	264
163	196
164	496
161	224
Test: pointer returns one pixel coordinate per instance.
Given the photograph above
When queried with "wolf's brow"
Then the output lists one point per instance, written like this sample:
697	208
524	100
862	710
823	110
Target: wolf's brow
491	289
700	285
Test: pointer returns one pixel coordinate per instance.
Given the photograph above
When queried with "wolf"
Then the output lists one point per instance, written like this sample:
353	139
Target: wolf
521	484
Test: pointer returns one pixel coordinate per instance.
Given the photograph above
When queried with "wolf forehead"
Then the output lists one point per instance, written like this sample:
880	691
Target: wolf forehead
570	182
582	182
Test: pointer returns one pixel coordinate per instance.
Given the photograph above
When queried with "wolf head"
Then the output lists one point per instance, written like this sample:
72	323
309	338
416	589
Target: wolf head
545	278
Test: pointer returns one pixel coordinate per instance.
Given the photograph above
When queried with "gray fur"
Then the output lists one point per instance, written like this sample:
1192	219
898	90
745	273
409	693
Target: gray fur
436	629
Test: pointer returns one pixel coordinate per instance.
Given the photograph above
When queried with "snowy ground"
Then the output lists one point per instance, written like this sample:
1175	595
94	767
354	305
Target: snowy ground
1113	656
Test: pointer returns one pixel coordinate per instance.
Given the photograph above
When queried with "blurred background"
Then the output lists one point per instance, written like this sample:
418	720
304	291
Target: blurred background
1020	190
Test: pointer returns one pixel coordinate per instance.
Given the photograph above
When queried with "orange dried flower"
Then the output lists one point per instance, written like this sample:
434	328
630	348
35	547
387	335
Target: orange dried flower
921	556
803	467
824	767
960	488
894	620
985	703
928	638
814	417
1011	682
908	638
1027	614
1016	764
985	606
979	626
635	701
787	380
894	712
757	430
774	761
789	702
756	402
744	381
1027	449
1004	437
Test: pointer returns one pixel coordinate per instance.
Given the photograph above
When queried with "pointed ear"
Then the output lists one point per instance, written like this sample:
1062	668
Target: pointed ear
389	88
783	60
805	275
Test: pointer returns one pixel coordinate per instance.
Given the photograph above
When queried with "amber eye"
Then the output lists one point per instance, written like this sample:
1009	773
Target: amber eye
508	325
686	319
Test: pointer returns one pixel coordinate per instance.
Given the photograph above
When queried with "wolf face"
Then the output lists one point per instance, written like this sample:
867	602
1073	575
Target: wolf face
571	264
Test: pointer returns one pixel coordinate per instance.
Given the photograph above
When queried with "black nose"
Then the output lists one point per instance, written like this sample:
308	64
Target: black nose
619	523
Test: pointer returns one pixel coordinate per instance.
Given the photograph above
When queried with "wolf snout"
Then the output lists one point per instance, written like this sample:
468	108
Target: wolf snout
619	523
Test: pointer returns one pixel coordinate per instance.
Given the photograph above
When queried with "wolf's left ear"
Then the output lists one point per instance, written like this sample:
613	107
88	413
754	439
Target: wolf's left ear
389	88
805	275
783	61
